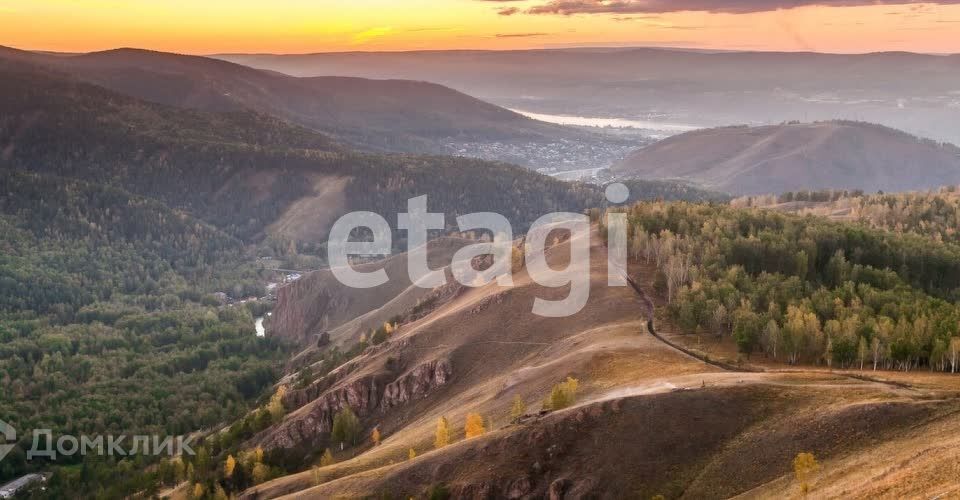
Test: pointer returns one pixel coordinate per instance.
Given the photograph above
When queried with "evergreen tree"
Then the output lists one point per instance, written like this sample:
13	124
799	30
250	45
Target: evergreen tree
346	427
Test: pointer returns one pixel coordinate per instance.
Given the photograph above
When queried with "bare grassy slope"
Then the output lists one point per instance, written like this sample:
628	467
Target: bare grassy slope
700	443
650	420
774	159
922	463
475	353
309	218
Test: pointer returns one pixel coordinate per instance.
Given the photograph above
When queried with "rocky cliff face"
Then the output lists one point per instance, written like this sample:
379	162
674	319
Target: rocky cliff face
366	395
303	307
318	302
416	384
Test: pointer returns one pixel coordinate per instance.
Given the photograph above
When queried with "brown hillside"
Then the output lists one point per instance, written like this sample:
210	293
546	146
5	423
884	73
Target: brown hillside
650	419
773	159
475	353
699	443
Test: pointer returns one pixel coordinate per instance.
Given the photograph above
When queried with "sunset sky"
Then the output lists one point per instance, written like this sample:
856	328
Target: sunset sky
300	26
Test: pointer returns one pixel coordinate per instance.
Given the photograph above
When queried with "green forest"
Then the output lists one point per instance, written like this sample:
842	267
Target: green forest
803	289
108	325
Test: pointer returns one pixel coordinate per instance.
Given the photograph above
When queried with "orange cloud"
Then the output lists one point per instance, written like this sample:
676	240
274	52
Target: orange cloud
569	7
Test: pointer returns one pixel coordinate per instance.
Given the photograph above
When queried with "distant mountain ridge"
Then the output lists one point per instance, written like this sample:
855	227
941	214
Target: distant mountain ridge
251	174
243	171
377	115
907	91
798	156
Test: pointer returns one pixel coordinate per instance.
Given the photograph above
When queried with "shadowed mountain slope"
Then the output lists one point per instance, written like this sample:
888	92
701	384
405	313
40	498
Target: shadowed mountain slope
376	115
244	171
789	157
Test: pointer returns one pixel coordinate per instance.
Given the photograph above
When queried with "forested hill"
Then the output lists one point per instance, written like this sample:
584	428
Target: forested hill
796	156
107	324
70	243
243	171
373	115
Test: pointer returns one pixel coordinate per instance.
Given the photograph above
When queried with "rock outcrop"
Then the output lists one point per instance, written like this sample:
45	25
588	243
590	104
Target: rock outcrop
318	302
303	306
368	395
415	384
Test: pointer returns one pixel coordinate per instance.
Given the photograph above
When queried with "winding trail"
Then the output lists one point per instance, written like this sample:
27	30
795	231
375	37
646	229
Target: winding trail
649	313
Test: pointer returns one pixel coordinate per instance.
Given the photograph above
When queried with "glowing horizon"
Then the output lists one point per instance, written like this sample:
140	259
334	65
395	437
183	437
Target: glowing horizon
302	26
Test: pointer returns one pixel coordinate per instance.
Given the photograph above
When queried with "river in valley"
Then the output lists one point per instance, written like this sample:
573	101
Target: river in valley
584	121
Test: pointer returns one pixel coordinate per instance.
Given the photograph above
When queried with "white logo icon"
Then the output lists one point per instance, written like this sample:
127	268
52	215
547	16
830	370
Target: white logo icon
9	436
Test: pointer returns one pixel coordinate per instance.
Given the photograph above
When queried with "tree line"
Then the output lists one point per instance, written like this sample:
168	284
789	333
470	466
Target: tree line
934	214
803	289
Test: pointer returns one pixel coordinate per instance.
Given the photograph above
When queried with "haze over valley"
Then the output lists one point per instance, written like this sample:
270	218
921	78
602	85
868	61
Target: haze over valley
916	93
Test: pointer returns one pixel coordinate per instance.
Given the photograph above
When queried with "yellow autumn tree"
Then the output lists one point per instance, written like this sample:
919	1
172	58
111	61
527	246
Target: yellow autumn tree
260	473
275	407
516	259
411	454
198	490
443	433
563	394
327	458
518	409
388	327
375	436
474	425
804	466
228	466
245	460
